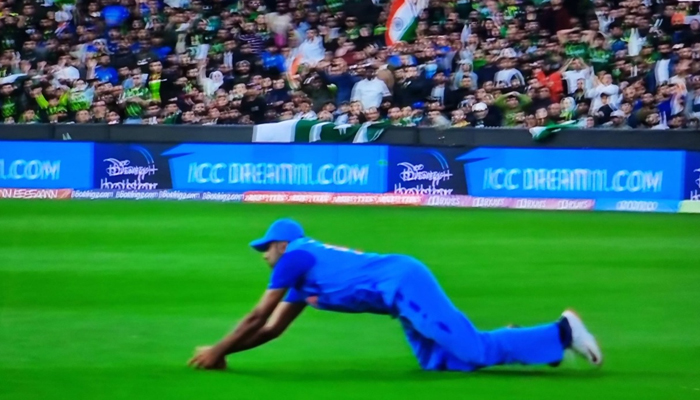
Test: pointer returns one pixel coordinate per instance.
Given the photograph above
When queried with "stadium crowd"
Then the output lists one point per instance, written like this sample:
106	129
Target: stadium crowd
482	63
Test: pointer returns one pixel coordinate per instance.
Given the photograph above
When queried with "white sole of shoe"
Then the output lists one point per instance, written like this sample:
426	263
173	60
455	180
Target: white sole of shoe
582	341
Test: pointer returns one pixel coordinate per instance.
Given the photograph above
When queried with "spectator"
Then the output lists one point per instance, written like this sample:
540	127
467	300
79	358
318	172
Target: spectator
203	63
410	88
543	99
483	117
619	121
578	77
311	50
512	104
370	91
134	99
603	92
437	120
317	92
459	120
305	111
551	78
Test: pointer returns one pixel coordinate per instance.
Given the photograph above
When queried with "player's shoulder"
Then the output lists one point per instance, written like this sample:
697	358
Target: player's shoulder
304	243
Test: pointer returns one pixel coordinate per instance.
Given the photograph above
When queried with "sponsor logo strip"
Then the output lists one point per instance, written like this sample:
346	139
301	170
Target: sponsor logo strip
415	200
157	195
13	193
458	201
331	198
507	202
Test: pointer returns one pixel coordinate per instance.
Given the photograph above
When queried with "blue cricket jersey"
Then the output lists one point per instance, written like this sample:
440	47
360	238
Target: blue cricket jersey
339	279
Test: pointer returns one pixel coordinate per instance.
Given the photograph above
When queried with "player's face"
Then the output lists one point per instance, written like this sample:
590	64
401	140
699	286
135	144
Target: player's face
274	252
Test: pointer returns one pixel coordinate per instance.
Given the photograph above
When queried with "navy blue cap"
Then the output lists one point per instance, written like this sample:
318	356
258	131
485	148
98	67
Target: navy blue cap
282	230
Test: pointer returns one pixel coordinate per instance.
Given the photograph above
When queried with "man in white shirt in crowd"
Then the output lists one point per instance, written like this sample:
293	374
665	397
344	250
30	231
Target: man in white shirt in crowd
370	91
305	111
508	72
311	49
64	71
604	87
580	71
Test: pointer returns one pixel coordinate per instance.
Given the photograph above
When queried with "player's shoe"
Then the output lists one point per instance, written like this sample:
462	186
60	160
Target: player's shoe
582	341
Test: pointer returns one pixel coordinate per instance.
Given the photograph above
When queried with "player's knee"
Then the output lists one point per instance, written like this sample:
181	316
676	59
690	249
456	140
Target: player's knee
473	356
473	352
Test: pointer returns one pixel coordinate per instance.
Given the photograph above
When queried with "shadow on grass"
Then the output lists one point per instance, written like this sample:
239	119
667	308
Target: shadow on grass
412	375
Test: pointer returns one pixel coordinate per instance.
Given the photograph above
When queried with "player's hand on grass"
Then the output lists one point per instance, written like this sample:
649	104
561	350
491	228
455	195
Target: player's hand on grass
206	357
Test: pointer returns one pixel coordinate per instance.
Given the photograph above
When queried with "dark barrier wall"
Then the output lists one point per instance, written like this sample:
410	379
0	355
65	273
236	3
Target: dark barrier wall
573	138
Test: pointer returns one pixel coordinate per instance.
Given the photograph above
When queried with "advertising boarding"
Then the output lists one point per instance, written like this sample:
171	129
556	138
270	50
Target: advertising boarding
539	173
46	165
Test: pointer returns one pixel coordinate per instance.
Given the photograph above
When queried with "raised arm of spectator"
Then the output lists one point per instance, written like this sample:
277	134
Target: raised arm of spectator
588	36
523	99
328	78
604	21
14	66
689	101
202	75
520	77
354	94
122	99
500	101
562	35
64	99
386	93
181	45
90	94
566	65
90	65
585	66
137	10
41	101
595	91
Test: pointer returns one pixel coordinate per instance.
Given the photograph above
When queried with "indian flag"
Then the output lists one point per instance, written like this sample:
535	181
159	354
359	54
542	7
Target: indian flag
303	131
403	20
293	70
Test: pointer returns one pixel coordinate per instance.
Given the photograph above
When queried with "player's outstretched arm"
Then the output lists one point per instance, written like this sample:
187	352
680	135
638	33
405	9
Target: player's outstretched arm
279	321
255	320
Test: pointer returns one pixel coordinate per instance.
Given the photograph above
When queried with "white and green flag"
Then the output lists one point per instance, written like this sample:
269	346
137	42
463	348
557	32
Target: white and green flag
541	132
303	131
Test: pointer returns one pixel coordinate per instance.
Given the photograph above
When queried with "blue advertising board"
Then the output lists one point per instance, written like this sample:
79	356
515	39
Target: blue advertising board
426	171
692	176
540	173
278	167
618	179
131	167
582	174
46	165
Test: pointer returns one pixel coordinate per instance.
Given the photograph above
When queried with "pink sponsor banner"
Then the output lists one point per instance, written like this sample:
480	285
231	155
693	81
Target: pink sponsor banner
14	193
553	204
458	201
508	202
467	201
332	198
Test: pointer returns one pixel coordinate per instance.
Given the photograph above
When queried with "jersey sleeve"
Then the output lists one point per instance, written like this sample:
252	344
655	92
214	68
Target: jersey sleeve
294	296
290	269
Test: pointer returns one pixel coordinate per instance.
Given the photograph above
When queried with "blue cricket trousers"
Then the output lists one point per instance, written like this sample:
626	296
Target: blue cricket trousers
443	338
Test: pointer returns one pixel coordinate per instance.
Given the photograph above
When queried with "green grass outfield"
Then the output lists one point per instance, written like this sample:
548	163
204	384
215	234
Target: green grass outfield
106	300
